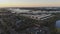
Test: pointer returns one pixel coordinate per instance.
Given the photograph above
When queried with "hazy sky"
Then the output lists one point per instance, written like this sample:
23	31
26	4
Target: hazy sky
29	3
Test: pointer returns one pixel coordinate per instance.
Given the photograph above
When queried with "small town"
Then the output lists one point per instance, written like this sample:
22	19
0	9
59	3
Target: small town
22	21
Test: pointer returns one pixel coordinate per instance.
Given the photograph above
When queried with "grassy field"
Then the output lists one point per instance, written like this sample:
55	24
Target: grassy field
58	30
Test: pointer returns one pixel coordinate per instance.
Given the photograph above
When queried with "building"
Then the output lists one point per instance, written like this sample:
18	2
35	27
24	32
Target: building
38	17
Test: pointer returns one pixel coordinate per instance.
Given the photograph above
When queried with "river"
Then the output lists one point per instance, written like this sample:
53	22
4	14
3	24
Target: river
58	24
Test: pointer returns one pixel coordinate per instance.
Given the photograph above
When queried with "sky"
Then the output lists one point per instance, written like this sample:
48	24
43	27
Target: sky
29	3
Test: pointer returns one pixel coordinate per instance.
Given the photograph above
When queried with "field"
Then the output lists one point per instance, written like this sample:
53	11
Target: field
58	30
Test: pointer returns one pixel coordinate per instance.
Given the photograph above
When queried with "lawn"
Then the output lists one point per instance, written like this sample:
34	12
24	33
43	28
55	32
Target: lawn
58	30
